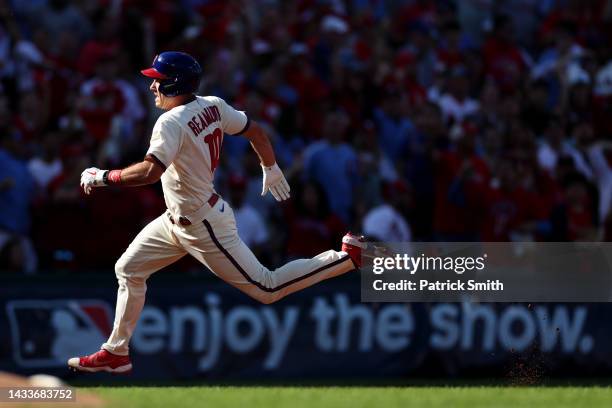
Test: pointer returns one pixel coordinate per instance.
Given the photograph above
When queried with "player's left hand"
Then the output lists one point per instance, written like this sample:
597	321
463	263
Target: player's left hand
92	177
275	182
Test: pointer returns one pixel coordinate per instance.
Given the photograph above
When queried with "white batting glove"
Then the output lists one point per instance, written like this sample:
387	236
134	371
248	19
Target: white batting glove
92	177
275	182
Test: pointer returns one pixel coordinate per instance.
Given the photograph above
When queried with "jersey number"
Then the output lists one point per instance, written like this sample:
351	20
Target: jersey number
213	140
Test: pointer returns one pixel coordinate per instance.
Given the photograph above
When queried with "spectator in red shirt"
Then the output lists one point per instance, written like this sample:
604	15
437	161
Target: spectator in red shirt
449	53
31	118
312	227
503	60
512	212
106	42
455	219
102	101
575	218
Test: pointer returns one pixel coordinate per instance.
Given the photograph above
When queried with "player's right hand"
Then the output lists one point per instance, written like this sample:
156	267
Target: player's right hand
275	182
92	177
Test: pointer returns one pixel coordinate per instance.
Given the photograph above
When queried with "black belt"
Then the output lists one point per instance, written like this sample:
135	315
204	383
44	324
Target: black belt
184	221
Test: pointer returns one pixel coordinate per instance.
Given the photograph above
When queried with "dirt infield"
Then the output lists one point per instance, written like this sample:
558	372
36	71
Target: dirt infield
83	399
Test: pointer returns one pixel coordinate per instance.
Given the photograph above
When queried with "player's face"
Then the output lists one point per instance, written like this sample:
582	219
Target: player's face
160	99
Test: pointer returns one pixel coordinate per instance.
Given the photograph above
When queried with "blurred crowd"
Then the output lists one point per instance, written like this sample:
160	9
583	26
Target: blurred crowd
404	120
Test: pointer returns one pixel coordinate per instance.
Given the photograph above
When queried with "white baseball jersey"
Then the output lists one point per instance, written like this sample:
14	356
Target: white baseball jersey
187	142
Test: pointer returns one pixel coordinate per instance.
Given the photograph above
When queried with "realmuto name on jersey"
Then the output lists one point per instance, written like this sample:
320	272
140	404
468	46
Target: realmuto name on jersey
208	115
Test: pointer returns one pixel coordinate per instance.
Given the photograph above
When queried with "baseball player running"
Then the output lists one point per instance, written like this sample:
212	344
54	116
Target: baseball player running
184	152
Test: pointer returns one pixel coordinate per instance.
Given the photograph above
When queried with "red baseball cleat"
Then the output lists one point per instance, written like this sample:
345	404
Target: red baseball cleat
101	361
353	245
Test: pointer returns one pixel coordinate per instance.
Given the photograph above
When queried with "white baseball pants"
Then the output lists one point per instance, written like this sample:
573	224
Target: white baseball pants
214	241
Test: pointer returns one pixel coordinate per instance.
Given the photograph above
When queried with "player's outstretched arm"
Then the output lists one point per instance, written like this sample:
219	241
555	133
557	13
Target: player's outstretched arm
273	177
146	172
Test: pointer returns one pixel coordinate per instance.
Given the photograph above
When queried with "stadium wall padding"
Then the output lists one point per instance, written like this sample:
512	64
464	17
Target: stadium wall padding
195	328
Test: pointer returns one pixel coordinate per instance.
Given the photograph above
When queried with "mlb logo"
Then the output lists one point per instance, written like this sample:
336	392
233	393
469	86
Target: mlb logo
47	333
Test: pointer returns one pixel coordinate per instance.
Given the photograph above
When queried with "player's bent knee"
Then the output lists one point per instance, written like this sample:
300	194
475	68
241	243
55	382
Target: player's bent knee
121	269
126	272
